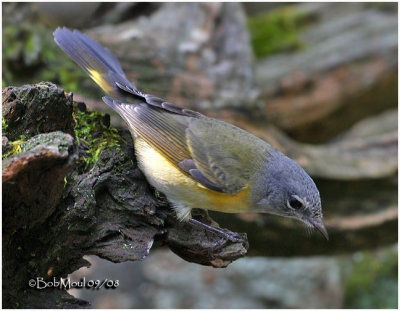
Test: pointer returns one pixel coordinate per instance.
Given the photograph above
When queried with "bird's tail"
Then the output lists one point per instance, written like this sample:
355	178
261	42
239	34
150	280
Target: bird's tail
97	61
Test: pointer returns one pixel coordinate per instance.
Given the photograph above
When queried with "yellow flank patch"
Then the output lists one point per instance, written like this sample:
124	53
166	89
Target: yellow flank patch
179	187
228	203
96	76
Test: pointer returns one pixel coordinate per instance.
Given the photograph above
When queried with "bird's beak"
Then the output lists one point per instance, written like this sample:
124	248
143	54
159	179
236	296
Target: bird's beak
319	225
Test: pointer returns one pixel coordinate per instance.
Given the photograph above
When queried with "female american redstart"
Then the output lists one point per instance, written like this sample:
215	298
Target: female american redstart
196	161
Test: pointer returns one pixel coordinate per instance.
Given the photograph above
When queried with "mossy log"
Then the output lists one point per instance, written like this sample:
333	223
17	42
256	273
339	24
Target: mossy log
105	206
79	192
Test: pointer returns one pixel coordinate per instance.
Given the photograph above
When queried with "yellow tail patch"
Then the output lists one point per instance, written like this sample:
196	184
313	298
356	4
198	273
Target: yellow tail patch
96	76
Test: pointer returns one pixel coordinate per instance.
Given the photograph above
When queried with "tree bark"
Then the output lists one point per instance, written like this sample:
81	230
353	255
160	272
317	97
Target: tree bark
57	208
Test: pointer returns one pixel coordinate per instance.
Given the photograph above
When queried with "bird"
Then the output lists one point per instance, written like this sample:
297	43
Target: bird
195	160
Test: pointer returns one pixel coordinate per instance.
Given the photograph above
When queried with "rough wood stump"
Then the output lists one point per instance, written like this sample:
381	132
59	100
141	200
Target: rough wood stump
80	192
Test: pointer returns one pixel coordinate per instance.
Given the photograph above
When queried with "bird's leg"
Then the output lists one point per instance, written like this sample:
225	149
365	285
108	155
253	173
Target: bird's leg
230	237
184	213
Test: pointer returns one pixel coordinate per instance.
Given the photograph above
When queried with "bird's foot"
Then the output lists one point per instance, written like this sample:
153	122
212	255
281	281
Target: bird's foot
233	237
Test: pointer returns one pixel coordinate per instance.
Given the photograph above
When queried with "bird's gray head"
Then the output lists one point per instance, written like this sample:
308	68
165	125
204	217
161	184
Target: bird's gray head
285	189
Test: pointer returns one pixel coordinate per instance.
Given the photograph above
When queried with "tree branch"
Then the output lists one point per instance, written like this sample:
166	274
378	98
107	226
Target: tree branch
66	196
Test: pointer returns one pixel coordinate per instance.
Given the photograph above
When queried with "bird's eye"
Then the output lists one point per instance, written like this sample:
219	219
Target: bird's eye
295	203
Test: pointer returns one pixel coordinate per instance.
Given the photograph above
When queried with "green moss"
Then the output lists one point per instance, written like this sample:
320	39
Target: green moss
43	138
24	143
276	31
157	194
91	131
3	125
130	246
17	148
373	282
31	54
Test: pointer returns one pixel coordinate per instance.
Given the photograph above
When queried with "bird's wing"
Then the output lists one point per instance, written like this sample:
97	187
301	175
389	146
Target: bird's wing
223	153
216	154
